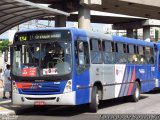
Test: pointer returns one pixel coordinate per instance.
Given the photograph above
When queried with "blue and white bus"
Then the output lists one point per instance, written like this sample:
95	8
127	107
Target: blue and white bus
69	66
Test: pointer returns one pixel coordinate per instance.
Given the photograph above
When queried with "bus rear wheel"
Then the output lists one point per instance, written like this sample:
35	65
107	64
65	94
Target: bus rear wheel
135	97
93	106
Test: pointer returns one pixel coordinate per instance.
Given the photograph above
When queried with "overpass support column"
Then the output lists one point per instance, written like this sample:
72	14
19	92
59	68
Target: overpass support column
84	18
146	32
130	33
135	34
60	21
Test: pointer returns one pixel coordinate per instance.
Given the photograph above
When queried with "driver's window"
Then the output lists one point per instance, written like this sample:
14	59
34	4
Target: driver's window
82	56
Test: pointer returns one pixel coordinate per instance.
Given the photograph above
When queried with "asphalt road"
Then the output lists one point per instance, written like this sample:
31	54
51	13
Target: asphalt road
149	103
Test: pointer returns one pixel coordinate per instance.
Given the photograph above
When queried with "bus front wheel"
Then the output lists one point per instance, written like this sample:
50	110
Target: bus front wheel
135	97
93	106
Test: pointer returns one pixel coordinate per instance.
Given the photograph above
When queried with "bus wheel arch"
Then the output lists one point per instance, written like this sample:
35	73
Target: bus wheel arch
137	88
99	86
96	95
139	82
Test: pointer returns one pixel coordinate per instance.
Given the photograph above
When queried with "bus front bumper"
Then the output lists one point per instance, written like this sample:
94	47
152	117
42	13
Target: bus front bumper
57	99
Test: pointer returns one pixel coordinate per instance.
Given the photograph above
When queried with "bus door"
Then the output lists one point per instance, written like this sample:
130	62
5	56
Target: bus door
81	78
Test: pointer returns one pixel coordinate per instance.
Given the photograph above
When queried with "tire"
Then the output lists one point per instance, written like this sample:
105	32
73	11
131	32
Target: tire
135	97
93	106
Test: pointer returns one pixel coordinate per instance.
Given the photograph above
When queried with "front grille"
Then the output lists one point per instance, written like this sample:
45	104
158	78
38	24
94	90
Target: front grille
43	88
47	98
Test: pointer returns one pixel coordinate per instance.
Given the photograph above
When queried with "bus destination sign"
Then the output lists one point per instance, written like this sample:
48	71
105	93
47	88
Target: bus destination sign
43	35
23	37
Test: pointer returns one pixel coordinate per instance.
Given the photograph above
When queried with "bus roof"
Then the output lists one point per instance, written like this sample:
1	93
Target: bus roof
132	41
75	31
91	34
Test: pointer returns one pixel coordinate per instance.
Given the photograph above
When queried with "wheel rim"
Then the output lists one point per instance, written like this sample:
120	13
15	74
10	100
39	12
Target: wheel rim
137	93
97	99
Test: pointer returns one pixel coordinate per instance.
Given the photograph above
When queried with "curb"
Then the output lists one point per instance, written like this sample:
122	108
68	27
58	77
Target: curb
6	108
5	112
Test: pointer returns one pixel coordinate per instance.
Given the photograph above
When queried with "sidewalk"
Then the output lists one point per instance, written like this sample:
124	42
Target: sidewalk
6	107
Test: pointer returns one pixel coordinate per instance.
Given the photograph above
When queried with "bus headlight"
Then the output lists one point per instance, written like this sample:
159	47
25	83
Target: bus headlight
68	87
14	87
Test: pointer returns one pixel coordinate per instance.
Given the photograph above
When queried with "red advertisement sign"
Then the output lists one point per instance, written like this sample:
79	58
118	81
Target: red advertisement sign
29	71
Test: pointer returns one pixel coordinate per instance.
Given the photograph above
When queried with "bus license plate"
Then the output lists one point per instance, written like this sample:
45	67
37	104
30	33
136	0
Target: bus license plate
39	103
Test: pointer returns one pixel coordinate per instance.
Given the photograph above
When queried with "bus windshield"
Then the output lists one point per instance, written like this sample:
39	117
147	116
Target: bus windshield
40	59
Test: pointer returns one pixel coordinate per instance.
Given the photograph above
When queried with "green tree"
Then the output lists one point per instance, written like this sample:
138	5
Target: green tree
4	45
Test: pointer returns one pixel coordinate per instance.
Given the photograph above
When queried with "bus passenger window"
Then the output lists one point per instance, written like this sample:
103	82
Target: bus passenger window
152	56
121	57
116	47
120	48
113	47
141	55
96	54
124	48
132	57
135	50
108	52
149	55
82	56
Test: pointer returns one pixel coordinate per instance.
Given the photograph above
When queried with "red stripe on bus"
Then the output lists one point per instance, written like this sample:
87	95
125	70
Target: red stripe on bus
20	85
132	80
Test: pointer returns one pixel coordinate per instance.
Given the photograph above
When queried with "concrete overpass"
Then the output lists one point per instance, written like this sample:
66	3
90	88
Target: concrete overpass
14	12
141	8
130	24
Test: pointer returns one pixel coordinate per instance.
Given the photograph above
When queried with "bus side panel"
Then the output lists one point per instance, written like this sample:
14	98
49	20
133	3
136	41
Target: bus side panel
120	78
125	76
109	78
96	74
151	76
141	74
128	77
146	73
82	93
157	69
120	82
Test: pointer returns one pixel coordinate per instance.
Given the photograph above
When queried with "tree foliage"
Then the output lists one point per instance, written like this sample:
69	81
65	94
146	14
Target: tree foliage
4	45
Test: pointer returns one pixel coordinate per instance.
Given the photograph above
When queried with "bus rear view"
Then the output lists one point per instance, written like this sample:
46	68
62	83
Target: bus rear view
42	68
